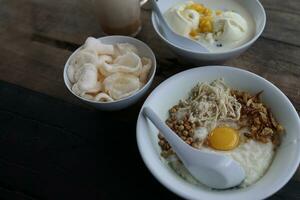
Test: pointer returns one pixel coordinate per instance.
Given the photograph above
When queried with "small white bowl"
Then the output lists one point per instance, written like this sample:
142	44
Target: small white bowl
143	50
169	92
256	11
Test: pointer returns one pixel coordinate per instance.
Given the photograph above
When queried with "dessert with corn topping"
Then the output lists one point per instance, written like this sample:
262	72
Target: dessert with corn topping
218	30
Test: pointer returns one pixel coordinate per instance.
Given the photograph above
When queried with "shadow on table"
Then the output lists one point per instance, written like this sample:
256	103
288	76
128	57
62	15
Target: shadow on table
50	149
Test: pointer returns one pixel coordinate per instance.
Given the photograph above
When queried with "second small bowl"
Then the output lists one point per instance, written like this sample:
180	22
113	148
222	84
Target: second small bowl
144	51
254	8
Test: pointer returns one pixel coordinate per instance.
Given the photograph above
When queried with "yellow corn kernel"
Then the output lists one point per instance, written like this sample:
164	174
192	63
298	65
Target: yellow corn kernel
194	33
206	12
206	25
207	28
208	18
198	7
218	12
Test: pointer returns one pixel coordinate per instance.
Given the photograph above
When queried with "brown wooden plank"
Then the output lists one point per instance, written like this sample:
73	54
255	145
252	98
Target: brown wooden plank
283	18
288	6
39	67
42	33
39	17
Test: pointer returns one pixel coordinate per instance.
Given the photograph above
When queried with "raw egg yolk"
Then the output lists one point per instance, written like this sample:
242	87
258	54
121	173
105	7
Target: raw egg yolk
223	138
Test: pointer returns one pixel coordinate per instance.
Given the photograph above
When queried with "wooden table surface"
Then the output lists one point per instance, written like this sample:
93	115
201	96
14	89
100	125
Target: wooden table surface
36	39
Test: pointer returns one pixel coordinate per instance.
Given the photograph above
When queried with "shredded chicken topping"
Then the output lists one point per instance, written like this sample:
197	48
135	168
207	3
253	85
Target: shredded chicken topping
209	103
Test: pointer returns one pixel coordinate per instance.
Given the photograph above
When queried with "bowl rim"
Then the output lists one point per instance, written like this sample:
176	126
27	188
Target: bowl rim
149	81
155	169
233	50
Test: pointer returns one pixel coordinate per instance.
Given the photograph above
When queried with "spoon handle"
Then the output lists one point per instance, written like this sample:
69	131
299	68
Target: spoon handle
173	37
165	25
176	143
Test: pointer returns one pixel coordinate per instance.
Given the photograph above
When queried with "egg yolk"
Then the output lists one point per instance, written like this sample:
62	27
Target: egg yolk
223	138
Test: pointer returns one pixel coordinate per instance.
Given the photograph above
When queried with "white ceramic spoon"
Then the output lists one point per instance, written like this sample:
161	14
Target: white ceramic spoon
173	37
212	169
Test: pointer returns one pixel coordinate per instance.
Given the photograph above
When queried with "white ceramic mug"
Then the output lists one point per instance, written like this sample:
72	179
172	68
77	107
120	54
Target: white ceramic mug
119	17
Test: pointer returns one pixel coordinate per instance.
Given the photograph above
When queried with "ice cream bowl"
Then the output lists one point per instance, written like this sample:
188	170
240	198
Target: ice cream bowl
144	51
253	7
168	93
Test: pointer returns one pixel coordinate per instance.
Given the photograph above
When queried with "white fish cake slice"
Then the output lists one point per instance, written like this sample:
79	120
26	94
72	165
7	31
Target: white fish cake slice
127	63
82	57
103	97
78	60
96	45
104	59
87	78
71	73
123	48
147	64
81	93
120	85
90	95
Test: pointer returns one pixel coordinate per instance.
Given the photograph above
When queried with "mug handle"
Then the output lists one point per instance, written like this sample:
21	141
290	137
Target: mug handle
142	2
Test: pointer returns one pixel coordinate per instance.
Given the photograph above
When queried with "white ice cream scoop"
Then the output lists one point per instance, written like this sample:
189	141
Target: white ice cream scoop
182	21
212	169
173	37
232	25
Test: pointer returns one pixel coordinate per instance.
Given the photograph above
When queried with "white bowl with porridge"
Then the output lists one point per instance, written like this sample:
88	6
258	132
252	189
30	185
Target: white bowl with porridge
226	28
110	73
227	111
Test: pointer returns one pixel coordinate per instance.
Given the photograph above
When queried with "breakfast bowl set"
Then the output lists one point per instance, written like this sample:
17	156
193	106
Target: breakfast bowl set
210	132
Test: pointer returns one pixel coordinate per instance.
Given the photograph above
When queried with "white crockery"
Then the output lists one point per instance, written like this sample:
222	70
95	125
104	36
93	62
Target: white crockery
143	50
214	170
173	37
254	7
168	93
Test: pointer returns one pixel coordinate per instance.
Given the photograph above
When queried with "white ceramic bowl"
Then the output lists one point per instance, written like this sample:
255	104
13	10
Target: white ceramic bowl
254	7
169	92
144	51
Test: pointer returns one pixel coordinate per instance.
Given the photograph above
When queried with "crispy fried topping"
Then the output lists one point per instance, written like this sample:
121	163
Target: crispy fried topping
255	114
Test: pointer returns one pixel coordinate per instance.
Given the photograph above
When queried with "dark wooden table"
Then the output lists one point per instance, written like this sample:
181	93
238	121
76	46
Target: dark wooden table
54	147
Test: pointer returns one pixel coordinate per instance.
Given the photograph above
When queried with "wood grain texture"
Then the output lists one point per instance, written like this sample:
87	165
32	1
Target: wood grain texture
50	38
283	19
37	37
